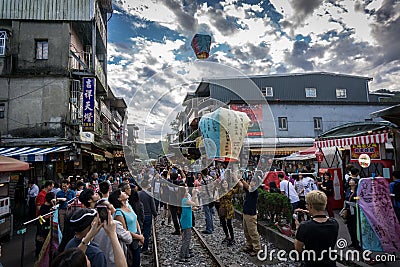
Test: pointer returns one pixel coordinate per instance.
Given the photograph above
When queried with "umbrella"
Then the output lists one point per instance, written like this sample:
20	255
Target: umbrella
9	164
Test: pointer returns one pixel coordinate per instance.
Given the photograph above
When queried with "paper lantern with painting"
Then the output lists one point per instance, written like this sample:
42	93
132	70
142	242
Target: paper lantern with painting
223	133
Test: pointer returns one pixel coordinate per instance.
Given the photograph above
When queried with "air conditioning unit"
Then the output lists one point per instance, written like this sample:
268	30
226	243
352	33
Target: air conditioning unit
73	100
75	122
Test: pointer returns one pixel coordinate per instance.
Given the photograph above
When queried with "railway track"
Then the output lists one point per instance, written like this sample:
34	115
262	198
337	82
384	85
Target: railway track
167	253
207	249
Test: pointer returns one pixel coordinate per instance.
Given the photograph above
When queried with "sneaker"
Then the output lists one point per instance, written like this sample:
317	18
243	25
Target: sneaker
226	240
191	255
253	253
206	232
231	242
176	233
183	260
146	252
246	249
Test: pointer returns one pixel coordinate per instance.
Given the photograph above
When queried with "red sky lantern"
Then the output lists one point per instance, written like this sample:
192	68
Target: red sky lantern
201	45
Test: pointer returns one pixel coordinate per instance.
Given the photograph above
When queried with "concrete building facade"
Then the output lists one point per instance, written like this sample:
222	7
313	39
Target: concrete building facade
295	108
47	48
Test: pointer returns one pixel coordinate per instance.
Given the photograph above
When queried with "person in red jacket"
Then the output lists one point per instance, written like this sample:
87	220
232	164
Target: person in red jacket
40	199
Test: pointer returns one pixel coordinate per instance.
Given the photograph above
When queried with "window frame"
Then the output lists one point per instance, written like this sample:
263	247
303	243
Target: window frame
3	42
317	120
2	110
341	90
40	48
309	89
282	123
264	91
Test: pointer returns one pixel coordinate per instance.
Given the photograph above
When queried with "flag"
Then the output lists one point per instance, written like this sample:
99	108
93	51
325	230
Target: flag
53	239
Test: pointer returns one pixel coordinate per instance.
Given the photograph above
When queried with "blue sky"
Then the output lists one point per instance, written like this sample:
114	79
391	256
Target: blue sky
146	37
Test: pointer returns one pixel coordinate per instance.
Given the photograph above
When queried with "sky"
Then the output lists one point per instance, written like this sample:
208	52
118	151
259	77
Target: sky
151	63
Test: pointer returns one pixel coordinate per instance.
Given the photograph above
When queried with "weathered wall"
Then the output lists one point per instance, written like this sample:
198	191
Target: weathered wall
37	106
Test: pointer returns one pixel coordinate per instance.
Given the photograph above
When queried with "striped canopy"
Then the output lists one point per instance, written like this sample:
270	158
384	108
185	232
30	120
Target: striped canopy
356	140
31	153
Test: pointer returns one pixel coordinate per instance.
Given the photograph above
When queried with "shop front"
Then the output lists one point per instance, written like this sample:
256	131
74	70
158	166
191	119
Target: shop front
9	177
349	144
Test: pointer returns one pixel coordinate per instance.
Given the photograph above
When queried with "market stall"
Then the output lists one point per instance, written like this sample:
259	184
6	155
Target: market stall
7	167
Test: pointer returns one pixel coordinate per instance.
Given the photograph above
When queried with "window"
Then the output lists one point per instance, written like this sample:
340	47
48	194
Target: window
3	37
2	110
341	93
311	92
42	49
282	123
267	91
317	123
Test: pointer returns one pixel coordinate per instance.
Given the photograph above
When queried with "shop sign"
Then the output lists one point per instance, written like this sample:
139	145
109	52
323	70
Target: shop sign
372	150
89	91
364	160
255	114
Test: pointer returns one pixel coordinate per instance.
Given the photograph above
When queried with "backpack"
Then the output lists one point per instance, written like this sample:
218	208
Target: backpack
396	191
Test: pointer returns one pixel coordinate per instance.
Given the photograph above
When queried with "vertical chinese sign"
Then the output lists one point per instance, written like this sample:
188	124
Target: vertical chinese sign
89	90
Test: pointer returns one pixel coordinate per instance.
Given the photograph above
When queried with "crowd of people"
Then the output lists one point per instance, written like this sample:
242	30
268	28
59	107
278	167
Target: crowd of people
103	215
106	219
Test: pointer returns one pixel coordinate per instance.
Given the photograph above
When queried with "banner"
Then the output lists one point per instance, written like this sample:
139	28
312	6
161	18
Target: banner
89	93
372	150
255	114
55	233
376	213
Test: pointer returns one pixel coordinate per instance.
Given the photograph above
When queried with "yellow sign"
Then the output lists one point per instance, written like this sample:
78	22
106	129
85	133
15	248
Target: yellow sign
59	166
372	150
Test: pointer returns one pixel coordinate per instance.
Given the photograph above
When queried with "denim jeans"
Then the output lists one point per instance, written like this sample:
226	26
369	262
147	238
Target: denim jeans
187	235
209	220
146	231
136	258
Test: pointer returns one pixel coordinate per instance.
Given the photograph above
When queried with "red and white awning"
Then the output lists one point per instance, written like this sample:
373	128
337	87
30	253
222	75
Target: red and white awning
356	140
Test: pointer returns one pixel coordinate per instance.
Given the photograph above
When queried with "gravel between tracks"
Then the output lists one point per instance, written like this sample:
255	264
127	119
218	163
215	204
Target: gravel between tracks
169	246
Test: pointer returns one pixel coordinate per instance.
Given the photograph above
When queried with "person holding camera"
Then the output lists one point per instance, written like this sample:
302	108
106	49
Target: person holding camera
251	234
102	238
318	234
86	224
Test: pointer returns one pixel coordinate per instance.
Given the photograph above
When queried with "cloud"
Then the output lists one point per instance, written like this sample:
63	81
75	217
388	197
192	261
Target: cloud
148	38
303	9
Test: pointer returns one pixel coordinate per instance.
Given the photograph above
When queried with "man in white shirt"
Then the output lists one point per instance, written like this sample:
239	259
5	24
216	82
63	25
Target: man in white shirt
309	185
288	189
33	191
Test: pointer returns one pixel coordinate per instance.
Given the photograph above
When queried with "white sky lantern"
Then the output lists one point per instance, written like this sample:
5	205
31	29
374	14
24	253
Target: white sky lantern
223	133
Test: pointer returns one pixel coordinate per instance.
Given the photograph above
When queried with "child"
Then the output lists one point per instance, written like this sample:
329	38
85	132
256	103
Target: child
186	221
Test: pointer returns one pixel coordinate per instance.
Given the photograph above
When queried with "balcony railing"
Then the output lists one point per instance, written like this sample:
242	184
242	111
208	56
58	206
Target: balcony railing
100	74
100	25
80	61
105	111
117	118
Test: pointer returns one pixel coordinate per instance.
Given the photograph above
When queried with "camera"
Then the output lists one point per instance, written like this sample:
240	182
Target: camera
103	213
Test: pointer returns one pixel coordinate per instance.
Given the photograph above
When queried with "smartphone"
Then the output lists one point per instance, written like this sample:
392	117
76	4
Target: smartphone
103	213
